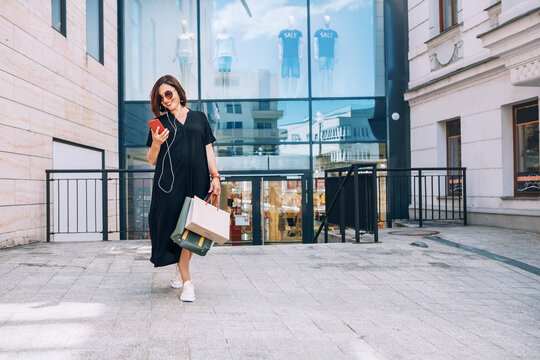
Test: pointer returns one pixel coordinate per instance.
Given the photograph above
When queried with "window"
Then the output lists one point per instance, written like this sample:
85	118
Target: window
94	29
234	108
240	54
58	14
453	155
339	66
264	105
526	149
237	124
447	14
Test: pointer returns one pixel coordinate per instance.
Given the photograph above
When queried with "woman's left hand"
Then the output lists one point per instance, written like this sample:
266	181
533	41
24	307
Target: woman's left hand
215	186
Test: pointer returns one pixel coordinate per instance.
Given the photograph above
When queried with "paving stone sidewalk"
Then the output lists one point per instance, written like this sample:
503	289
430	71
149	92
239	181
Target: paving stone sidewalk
104	300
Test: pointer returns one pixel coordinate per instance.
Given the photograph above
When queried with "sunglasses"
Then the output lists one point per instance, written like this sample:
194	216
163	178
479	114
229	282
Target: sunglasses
168	95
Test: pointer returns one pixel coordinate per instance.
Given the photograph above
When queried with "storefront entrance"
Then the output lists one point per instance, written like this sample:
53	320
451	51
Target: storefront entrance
266	208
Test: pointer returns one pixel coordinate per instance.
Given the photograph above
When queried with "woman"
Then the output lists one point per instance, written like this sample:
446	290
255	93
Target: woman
185	161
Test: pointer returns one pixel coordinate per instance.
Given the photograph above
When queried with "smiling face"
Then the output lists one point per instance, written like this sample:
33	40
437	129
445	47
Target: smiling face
169	97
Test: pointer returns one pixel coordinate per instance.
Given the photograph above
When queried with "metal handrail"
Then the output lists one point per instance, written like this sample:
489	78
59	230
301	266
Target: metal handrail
352	168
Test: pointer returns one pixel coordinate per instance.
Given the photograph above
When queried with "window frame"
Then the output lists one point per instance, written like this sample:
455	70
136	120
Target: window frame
453	4
449	123
62	29
514	146
100	33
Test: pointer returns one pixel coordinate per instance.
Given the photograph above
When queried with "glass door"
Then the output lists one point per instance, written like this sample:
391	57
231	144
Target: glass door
237	199
283	210
265	208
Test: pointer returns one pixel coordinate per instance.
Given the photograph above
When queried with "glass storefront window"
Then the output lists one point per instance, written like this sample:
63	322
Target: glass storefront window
347	53
239	156
253	49
326	156
349	120
258	121
159	39
136	117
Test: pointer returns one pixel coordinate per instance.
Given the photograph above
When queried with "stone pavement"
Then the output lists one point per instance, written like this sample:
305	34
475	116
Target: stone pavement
104	300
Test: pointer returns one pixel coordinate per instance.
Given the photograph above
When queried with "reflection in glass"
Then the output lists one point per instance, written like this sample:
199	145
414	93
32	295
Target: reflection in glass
167	28
349	120
58	12
136	117
326	156
239	156
94	29
251	49
256	121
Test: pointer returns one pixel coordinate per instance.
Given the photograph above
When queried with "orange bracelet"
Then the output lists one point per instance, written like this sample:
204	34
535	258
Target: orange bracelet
216	175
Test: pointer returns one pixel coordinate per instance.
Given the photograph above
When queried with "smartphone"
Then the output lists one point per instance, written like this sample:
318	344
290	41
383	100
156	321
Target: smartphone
154	124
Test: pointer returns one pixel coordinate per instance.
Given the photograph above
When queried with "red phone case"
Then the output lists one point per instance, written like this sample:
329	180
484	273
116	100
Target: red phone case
154	124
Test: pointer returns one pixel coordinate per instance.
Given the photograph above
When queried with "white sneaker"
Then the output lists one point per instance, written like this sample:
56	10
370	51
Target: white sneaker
176	281
188	293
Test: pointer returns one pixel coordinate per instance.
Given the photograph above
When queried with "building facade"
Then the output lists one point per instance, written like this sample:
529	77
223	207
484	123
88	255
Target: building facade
289	89
58	102
473	97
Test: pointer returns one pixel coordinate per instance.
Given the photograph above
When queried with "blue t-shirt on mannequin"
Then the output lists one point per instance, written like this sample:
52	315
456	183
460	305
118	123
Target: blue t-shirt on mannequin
326	39
290	40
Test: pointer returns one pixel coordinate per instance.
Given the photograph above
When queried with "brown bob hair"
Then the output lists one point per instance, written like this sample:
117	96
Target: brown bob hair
155	98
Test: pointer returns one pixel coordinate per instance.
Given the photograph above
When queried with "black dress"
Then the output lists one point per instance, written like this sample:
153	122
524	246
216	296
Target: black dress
189	177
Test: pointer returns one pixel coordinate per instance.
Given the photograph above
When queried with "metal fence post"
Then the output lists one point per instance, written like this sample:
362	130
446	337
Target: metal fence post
420	215
48	204
464	170
356	205
374	213
105	204
342	209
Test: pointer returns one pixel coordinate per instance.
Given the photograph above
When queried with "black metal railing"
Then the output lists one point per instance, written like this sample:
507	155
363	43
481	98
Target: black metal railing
357	200
421	194
88	202
367	197
376	197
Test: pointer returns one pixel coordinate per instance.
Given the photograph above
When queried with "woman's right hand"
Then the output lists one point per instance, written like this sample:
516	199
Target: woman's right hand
159	139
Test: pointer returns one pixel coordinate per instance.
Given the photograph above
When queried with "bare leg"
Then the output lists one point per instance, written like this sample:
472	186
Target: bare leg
183	264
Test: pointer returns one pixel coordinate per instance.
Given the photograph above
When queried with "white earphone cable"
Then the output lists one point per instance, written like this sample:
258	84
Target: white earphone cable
168	153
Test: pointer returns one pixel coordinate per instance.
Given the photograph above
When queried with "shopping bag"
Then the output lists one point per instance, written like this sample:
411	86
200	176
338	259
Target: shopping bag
185	238
208	220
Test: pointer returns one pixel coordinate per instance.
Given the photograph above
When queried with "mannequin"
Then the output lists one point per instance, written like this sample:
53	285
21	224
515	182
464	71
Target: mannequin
290	53
324	49
224	53
185	53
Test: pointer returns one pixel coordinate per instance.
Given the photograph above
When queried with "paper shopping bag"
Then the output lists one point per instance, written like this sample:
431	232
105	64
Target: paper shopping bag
208	220
187	239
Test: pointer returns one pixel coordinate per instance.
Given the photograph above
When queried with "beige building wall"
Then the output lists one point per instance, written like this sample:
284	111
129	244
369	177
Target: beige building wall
475	72
49	88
